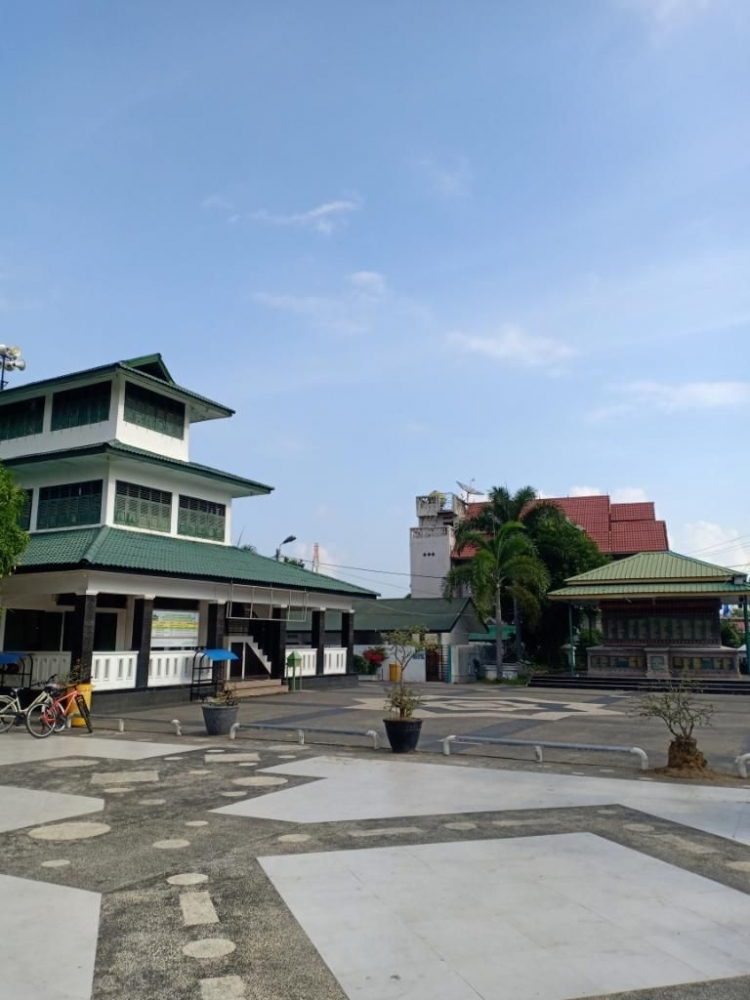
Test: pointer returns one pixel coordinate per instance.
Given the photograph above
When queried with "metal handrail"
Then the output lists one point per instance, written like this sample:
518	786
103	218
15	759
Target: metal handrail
371	733
539	744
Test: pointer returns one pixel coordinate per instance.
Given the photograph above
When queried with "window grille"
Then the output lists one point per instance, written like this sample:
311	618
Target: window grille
201	519
69	505
157	413
143	507
24	518
89	404
21	419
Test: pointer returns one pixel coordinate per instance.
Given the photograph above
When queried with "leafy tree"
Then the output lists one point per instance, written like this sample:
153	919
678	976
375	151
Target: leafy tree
731	635
505	565
13	539
291	561
566	550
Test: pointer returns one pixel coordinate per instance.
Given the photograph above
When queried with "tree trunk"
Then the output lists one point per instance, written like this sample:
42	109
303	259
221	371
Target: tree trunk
499	638
684	753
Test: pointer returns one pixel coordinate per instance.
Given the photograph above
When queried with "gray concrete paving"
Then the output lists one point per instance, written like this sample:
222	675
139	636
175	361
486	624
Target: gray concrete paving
520	713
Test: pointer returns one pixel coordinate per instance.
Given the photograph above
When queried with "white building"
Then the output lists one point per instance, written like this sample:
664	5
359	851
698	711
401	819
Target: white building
130	568
431	543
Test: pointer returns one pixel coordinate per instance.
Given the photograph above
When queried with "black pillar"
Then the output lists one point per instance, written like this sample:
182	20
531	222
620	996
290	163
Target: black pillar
278	643
143	615
319	640
83	634
216	626
347	639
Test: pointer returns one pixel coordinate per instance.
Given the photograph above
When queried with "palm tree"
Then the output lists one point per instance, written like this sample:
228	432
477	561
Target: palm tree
504	564
502	508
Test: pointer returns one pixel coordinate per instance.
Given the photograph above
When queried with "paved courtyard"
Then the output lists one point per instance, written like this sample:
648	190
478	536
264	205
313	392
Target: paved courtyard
519	713
147	866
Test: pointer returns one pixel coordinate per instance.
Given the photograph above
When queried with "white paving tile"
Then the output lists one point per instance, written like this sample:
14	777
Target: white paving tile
556	917
360	790
22	807
17	748
48	935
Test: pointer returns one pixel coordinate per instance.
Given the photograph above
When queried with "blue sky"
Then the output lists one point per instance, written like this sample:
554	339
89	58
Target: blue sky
409	243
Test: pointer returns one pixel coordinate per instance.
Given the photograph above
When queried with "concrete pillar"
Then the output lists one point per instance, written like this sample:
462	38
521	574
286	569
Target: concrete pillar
319	640
216	626
142	621
347	639
278	643
83	634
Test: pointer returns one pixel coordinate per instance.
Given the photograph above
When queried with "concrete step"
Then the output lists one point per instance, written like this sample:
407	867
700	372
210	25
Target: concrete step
260	688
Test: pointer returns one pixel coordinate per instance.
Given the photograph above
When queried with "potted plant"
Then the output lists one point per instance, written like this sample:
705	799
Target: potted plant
401	728
220	712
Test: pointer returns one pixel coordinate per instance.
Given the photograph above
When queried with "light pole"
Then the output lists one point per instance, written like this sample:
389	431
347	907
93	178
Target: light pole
10	360
287	540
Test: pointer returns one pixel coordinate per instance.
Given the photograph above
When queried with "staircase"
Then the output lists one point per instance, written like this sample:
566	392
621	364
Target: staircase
258	689
583	683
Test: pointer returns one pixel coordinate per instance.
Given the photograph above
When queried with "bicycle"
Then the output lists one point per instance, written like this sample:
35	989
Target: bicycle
46	714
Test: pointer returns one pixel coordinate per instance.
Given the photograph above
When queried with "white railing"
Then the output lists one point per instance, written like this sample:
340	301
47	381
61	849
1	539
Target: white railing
335	662
48	663
170	667
308	666
113	671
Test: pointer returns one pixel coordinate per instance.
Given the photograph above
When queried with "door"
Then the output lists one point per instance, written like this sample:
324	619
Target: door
432	663
105	632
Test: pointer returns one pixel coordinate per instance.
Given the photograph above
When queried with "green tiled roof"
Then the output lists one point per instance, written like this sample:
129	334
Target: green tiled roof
127	451
120	549
437	614
711	588
655	566
132	368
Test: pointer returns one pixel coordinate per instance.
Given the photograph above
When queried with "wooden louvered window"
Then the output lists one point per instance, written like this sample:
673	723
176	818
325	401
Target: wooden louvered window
21	419
89	404
153	411
24	518
70	505
201	519
143	507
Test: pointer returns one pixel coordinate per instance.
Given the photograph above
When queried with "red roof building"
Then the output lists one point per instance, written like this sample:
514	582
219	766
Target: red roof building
619	529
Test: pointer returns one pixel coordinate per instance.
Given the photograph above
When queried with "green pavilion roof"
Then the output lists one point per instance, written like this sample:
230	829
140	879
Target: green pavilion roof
248	486
654	574
139	552
143	370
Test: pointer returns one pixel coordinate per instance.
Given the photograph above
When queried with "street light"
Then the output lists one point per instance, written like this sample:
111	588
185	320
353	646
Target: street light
10	360
287	540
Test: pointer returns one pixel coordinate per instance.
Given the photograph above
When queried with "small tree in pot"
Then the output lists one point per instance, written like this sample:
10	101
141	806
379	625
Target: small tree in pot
680	710
220	712
402	728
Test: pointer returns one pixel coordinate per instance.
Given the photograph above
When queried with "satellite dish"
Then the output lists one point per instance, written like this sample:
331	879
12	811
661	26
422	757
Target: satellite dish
468	490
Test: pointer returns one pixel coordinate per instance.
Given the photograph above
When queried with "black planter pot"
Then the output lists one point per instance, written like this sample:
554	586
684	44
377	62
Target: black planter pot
403	734
219	719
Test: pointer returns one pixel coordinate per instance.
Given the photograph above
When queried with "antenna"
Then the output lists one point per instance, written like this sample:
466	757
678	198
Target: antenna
316	558
470	490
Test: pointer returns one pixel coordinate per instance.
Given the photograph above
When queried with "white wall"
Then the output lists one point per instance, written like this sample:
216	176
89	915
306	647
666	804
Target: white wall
430	559
142	437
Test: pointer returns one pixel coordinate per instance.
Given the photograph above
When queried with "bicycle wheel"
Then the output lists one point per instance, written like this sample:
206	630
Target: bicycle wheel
40	721
60	718
83	708
7	712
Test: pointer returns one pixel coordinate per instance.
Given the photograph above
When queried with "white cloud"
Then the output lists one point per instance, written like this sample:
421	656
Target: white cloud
629	494
324	219
369	282
339	315
672	398
217	202
514	345
667	15
451	180
714	543
584	491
